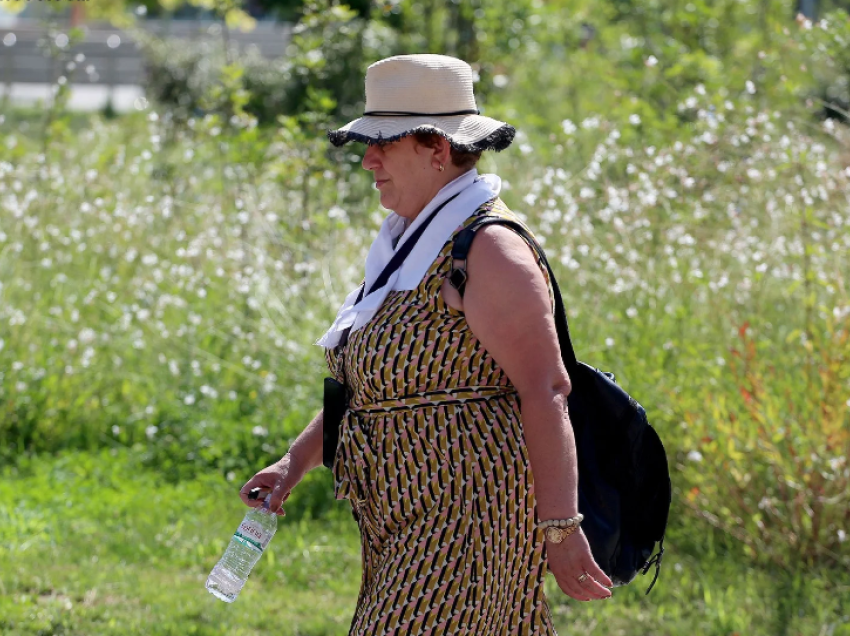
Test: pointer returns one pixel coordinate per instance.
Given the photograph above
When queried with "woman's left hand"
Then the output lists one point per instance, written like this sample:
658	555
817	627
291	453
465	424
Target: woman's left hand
569	561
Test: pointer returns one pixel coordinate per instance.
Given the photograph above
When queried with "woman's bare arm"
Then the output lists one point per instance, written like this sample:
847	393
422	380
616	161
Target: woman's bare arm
304	455
508	308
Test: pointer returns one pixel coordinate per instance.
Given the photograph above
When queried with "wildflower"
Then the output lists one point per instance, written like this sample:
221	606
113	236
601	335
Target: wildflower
189	400
651	61
751	88
150	431
568	126
609	342
259	431
634	120
209	391
695	456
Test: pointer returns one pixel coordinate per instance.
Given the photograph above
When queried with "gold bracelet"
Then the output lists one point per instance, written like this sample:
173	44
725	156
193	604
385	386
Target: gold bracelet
556	530
561	523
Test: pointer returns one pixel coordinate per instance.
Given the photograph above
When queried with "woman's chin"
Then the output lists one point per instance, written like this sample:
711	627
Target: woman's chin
387	203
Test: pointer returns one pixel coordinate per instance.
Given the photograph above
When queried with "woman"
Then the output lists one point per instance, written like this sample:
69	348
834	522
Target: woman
456	400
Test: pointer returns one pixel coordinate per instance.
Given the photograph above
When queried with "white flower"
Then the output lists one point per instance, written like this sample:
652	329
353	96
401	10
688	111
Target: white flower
116	430
634	120
631	312
259	431
695	456
500	81
836	462
751	88
651	61
209	391
568	126
150	431
189	400
590	123
337	212
609	342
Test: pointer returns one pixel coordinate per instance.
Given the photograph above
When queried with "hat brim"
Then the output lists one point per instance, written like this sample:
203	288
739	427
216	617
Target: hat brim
465	133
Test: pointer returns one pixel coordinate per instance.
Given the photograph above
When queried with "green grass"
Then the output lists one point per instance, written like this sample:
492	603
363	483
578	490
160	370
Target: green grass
95	544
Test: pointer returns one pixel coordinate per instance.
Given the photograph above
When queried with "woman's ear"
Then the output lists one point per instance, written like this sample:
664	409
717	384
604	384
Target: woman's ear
444	151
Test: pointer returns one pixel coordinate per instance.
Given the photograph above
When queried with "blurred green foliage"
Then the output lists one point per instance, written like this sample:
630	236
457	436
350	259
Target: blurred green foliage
534	59
321	73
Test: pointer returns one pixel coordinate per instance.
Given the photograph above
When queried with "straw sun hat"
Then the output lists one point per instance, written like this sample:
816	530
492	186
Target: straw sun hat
407	94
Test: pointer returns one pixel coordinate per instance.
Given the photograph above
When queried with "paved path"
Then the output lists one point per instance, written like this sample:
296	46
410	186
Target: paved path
84	98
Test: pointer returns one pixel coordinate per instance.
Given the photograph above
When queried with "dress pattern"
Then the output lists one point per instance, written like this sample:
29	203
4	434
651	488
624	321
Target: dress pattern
433	461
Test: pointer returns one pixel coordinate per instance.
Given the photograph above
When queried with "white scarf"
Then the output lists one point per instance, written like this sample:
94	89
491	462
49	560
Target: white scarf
472	189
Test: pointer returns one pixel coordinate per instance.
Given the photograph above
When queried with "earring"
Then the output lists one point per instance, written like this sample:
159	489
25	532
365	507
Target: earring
441	167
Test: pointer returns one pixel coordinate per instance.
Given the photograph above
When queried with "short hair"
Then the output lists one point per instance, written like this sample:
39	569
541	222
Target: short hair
466	160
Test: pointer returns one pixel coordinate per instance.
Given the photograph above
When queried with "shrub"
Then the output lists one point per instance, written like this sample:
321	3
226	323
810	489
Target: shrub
326	60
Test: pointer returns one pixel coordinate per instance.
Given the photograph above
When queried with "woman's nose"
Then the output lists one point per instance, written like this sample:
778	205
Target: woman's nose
370	158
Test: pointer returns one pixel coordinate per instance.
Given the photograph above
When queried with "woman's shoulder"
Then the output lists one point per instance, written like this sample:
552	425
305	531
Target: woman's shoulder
494	208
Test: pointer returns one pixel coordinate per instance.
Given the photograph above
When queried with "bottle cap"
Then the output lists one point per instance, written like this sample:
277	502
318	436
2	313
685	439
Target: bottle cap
256	493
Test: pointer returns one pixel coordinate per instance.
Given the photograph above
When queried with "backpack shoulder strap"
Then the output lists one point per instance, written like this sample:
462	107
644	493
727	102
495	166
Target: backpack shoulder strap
458	277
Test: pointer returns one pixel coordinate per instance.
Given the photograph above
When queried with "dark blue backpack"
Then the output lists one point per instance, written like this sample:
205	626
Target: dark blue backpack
623	479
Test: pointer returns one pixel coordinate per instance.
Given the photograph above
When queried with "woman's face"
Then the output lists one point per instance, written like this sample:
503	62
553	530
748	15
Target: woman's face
405	175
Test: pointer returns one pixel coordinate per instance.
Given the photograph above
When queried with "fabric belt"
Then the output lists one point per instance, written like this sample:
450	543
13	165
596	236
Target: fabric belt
444	397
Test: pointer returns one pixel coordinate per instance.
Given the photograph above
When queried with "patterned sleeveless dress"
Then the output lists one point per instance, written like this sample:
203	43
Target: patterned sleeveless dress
433	461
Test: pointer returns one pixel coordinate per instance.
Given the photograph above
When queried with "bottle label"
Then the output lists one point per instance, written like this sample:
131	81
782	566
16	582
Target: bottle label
251	535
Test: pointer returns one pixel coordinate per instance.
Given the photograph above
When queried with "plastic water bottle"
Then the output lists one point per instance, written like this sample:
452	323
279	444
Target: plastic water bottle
245	549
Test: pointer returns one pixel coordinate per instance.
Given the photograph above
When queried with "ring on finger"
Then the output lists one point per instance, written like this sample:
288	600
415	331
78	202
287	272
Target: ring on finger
583	577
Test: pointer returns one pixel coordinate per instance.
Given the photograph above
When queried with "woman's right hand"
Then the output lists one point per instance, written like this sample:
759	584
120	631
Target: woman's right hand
279	478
